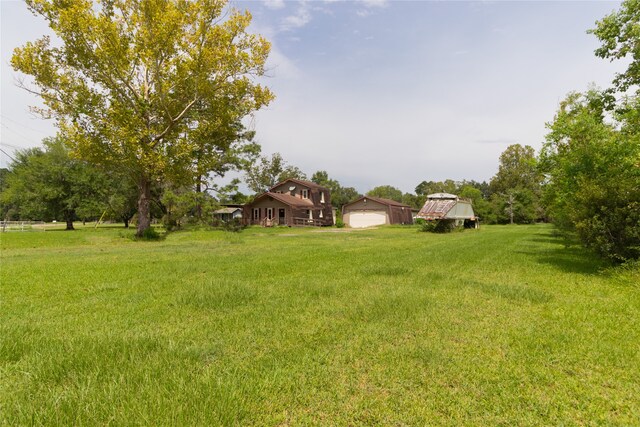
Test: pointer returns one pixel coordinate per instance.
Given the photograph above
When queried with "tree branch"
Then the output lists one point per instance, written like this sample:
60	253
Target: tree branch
173	122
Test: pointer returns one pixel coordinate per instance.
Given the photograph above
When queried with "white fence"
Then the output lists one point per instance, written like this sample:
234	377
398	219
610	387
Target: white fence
22	226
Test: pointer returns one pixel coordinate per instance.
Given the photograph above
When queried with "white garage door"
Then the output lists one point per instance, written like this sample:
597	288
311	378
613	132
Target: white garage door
367	219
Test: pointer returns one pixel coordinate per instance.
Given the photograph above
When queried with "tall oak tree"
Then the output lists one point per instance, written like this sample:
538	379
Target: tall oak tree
155	88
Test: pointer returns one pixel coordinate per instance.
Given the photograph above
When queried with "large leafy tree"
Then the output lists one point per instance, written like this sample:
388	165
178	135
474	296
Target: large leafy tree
339	195
481	206
48	184
122	202
429	187
266	172
593	171
618	33
386	192
156	88
591	157
517	169
516	188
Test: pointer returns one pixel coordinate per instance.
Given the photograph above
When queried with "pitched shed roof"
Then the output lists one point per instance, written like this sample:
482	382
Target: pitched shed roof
380	200
287	199
227	210
436	208
444	205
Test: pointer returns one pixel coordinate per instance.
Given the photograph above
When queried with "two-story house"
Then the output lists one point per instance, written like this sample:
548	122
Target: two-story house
292	202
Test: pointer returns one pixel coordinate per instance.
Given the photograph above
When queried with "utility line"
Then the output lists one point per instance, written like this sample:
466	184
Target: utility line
15	147
23	125
7	154
21	135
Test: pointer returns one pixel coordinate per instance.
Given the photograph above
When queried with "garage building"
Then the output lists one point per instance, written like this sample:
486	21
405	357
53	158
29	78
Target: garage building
371	211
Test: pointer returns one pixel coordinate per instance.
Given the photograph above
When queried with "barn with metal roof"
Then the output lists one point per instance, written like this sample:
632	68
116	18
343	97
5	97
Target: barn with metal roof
448	206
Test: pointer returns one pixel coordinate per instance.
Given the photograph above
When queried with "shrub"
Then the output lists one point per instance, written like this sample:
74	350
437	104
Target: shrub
235	225
440	226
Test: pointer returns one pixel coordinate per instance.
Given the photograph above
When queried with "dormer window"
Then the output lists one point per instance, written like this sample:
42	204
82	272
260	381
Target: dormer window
304	193
321	197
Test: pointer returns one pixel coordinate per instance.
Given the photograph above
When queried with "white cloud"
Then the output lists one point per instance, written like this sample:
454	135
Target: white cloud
369	6
301	18
278	64
281	67
274	4
375	3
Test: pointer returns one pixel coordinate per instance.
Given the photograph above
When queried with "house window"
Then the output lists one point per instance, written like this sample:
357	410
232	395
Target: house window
305	193
256	214
321	215
269	213
321	197
310	213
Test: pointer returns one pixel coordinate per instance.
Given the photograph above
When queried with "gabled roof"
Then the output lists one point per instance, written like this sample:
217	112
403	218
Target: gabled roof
299	182
382	201
227	210
436	208
445	205
286	199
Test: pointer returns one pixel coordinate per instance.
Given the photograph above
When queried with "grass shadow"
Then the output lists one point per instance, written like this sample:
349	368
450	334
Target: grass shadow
565	254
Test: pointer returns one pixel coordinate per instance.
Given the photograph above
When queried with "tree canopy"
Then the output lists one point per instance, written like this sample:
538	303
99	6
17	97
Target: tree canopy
593	170
157	88
267	172
386	192
339	195
429	187
50	185
516	187
618	34
591	157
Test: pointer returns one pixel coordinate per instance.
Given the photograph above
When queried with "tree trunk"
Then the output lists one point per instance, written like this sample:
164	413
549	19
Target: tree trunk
69	223
198	200
511	209
126	222
144	211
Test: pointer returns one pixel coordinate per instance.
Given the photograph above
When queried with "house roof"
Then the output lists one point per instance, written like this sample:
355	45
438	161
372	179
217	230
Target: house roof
227	210
287	199
380	200
299	182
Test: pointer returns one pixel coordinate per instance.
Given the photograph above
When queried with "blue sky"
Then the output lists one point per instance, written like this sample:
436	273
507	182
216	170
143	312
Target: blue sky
392	92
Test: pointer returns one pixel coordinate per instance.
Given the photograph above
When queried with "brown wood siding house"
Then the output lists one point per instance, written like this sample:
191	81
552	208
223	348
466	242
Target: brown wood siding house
292	202
371	211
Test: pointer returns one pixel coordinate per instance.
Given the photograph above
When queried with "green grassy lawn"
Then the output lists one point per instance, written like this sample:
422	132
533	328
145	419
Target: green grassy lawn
498	326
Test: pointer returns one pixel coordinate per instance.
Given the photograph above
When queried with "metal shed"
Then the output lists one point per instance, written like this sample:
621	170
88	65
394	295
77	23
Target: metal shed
448	206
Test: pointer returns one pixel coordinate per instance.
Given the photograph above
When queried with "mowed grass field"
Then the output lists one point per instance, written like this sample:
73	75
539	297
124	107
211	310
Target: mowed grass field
499	326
